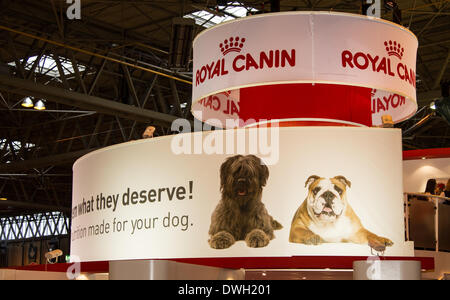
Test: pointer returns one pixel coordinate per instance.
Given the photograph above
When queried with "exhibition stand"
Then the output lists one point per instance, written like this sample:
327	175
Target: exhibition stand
302	176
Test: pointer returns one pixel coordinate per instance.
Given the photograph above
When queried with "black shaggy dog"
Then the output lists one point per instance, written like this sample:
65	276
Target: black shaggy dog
240	214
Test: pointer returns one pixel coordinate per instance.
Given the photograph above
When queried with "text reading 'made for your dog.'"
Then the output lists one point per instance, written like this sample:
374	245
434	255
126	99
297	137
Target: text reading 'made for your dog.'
103	201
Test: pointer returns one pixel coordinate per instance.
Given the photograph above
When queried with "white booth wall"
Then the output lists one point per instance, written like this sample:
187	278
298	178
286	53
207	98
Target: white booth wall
417	172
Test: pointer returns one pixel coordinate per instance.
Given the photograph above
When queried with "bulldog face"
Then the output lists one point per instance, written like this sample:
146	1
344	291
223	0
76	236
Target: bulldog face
326	197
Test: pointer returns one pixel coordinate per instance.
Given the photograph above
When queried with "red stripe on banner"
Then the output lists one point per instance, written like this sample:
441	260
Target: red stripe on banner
283	101
426	153
295	262
85	267
300	123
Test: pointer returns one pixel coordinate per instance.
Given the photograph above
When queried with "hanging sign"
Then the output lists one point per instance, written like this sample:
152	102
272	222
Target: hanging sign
303	64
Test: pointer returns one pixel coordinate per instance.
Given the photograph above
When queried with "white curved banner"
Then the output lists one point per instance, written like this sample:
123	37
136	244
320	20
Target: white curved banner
303	47
305	191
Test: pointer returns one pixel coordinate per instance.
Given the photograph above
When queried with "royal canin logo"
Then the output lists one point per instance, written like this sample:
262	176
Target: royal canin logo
394	49
232	44
379	64
255	59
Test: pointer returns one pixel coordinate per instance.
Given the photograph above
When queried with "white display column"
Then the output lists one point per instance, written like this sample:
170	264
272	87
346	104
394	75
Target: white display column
386	270
168	270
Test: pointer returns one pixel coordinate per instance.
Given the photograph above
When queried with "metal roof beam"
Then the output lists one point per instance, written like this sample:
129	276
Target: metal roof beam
34	206
71	98
42	162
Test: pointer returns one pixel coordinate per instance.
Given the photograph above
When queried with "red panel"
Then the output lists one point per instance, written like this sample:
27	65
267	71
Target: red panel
427	153
302	123
295	262
282	101
86	267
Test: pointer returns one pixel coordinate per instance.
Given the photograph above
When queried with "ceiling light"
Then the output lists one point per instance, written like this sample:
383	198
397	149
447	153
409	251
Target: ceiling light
27	102
39	105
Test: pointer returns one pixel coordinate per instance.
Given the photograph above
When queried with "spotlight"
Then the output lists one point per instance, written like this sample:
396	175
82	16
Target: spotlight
396	12
433	105
387	121
27	102
389	4
40	105
52	256
148	133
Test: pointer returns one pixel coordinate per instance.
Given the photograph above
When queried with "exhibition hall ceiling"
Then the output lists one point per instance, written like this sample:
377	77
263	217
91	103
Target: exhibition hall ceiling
109	70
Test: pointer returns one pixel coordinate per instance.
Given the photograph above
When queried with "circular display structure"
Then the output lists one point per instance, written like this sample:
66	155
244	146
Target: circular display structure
247	192
304	65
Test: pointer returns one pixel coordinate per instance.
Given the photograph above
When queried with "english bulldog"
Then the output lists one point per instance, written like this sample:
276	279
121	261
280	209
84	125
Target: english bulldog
326	217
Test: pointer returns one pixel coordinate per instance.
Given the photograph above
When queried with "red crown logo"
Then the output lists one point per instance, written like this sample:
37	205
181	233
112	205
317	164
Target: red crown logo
232	44
394	48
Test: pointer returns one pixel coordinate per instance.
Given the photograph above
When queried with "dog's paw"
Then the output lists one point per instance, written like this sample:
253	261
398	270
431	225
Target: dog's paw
257	239
221	240
276	225
312	239
379	243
